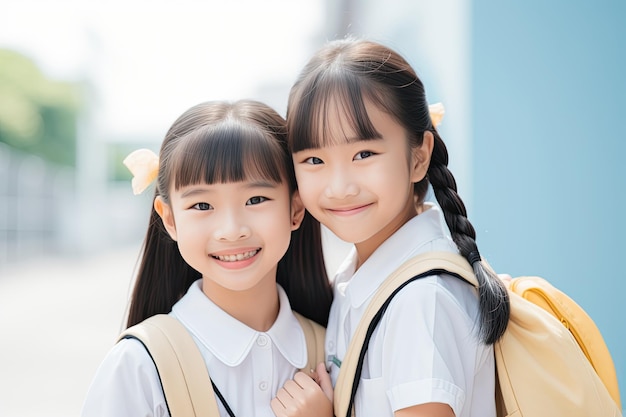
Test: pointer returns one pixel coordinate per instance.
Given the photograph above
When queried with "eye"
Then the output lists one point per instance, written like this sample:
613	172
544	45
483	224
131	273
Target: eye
202	206
363	155
256	200
314	160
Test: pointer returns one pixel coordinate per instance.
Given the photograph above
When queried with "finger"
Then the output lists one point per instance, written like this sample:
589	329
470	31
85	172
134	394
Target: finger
301	377
293	387
313	374
304	381
286	402
284	396
324	381
278	407
321	368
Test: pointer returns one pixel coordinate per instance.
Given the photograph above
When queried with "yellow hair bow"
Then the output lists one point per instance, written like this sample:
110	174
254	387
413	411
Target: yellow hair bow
144	165
436	113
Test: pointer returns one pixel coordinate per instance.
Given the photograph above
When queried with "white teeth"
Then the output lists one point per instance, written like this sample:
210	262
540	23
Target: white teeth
237	257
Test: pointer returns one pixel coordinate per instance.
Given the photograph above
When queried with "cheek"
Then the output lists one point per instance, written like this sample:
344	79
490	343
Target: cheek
188	237
309	186
194	227
278	219
276	228
392	179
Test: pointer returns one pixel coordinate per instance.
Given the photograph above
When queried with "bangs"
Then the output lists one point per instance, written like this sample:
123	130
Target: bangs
228	152
329	97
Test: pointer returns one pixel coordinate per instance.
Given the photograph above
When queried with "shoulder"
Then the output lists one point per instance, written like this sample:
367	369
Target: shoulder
126	383
436	298
129	357
436	315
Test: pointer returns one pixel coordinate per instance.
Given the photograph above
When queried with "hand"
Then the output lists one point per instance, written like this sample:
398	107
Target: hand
303	397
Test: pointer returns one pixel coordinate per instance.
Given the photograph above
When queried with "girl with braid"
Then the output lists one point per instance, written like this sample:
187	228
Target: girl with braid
366	152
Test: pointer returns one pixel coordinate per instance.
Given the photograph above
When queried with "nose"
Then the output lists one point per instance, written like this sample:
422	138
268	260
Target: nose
341	184
231	227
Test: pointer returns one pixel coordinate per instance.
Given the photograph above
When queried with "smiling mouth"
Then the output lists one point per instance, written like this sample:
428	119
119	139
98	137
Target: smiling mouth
350	210
237	256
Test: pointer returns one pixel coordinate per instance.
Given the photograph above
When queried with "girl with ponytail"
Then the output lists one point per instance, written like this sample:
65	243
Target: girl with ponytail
366	152
224	255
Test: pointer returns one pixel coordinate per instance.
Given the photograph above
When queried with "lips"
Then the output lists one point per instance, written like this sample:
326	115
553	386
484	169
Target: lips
347	211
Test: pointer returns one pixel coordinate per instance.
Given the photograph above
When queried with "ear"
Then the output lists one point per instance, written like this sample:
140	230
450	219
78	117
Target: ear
167	216
420	157
297	211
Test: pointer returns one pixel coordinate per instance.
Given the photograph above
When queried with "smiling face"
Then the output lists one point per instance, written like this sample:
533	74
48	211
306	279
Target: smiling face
226	194
361	188
235	233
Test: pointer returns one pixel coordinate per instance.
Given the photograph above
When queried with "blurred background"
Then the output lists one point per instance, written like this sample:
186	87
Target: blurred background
535	109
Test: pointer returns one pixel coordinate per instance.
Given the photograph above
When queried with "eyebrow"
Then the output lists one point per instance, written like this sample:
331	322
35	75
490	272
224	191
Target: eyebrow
378	136
194	191
262	184
249	185
355	139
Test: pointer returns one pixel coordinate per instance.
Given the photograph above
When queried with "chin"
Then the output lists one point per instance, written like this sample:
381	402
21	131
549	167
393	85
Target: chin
350	238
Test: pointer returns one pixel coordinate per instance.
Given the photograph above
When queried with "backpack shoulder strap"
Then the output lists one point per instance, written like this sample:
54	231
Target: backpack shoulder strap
181	368
315	336
430	263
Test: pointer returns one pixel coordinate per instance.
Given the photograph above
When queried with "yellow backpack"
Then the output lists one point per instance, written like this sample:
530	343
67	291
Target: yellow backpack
552	360
187	387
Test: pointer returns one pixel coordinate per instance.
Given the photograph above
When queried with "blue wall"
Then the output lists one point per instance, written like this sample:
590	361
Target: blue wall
549	113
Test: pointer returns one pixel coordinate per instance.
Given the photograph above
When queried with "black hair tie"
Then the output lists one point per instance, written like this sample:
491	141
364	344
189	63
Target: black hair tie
473	257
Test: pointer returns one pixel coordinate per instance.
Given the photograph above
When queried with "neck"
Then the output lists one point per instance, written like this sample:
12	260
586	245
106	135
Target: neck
257	307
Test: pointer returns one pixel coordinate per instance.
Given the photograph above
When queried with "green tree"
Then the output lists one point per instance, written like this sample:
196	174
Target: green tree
37	114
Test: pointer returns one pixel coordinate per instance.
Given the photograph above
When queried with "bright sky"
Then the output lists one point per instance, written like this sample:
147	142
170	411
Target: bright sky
151	60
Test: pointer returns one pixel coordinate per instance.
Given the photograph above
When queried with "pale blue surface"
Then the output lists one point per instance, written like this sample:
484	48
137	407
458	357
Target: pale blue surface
549	112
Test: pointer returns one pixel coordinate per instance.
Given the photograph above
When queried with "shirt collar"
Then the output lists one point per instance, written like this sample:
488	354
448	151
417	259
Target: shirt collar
406	242
228	339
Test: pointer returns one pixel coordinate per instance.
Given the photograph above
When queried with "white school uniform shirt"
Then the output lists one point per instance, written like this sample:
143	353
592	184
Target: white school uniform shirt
246	365
425	349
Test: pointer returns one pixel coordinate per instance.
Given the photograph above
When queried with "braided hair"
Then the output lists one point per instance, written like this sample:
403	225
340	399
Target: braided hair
353	70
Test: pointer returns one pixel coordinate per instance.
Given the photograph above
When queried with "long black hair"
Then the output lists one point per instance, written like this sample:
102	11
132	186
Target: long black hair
349	71
217	142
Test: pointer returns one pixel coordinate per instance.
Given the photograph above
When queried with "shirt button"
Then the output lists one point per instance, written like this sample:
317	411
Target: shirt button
263	385
261	340
331	345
